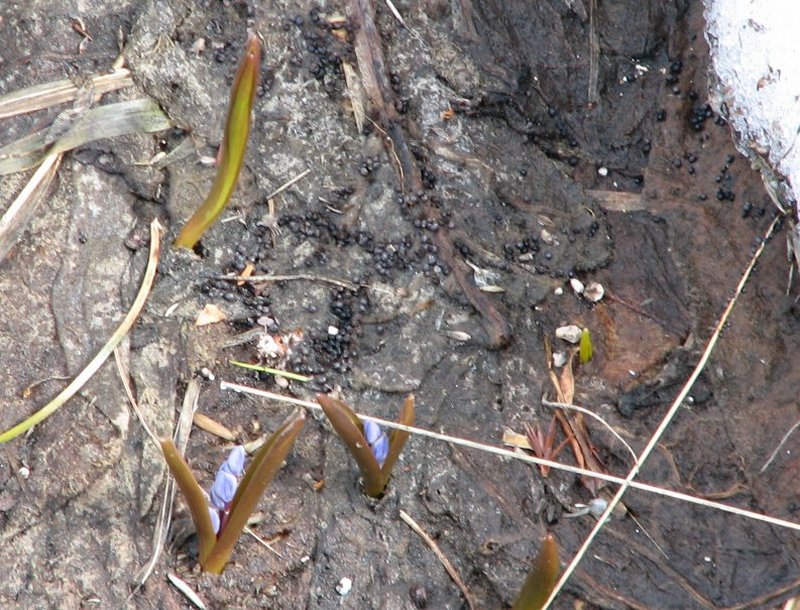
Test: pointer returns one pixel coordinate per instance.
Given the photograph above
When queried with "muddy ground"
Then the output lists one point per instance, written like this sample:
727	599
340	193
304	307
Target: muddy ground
538	141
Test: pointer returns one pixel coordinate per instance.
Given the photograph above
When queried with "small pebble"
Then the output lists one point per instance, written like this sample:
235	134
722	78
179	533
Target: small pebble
344	586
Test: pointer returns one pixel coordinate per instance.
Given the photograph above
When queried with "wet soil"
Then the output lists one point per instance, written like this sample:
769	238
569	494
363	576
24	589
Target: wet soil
536	141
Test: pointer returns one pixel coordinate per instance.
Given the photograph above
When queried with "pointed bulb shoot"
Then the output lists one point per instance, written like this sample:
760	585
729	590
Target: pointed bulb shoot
542	578
234	144
375	452
220	523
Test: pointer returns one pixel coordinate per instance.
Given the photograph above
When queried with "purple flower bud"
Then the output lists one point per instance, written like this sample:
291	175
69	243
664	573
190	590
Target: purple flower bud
214	514
377	439
235	462
223	489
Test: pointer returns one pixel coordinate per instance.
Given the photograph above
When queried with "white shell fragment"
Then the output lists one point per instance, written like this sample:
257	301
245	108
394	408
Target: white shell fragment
548	238
485	279
559	359
457	335
570	333
594	292
577	285
344	586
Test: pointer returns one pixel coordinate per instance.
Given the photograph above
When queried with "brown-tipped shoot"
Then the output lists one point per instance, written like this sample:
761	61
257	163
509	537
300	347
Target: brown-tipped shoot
216	548
374	452
234	144
541	579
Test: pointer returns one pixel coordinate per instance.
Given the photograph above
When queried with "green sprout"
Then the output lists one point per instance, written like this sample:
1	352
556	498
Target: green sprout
216	546
374	452
231	152
541	579
585	350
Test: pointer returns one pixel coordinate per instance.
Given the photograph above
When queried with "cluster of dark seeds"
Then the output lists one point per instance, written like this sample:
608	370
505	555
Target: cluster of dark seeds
700	114
325	50
369	165
524	246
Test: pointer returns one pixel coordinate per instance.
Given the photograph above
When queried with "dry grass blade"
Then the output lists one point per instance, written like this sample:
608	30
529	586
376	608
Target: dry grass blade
124	377
356	92
109	121
181	438
561	405
40	97
24	206
204	422
505	453
665	422
451	570
105	351
186	590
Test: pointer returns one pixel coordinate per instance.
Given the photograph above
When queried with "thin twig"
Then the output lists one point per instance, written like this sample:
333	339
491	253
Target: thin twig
563	405
224	385
594	55
667	420
287	184
451	570
289	278
774	454
263	542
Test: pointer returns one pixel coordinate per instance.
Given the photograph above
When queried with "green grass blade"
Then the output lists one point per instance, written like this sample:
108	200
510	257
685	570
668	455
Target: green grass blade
348	426
258	475
398	438
195	498
271	371
234	144
542	577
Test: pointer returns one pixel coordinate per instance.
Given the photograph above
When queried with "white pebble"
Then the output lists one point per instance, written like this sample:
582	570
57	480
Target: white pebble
570	333
333	331
344	586
577	285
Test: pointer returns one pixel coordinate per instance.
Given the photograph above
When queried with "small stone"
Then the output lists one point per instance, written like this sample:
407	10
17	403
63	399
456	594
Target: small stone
570	333
577	285
594	292
344	586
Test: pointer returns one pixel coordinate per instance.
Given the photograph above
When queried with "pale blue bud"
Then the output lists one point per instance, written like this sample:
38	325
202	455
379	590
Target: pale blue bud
223	489
235	462
214	514
377	439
